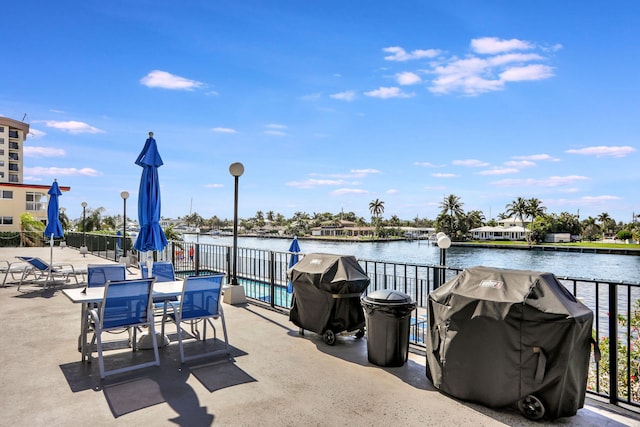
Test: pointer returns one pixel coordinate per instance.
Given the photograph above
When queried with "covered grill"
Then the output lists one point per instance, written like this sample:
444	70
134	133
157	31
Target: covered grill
326	295
499	337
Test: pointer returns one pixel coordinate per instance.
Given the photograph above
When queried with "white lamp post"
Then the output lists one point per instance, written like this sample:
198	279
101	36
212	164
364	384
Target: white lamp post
444	242
234	294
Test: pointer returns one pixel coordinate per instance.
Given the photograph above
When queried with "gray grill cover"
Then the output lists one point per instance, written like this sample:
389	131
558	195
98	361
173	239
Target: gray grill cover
327	290
498	335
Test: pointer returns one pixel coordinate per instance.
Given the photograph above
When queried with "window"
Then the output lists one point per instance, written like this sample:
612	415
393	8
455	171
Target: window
1	163
13	134
13	178
6	194
36	201
1	140
1	128
6	220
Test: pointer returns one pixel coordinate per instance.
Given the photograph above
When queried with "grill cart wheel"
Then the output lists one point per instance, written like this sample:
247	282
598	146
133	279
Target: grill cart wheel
360	333
329	337
300	331
531	407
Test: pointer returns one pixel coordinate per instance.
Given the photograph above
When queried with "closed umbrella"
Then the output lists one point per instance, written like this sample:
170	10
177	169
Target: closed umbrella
54	226
151	236
294	250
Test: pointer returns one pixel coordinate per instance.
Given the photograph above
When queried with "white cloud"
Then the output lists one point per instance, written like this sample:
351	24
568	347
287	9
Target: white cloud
498	65
519	163
165	80
359	173
392	191
498	171
72	127
213	185
348	95
604	151
425	164
399	54
35	133
527	73
343	191
603	198
444	175
43	152
275	132
276	126
538	157
473	163
310	183
407	78
38	170
388	92
493	45
554	181
224	130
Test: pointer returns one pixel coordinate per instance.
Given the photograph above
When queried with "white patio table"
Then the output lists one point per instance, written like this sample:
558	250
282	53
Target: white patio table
88	296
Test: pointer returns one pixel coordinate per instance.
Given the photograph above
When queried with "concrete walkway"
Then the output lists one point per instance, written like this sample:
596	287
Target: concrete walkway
274	377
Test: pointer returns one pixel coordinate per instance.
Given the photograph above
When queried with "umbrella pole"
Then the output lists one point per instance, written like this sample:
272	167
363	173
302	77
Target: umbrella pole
49	272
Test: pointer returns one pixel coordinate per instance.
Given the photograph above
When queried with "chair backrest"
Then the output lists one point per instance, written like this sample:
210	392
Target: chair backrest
100	274
126	303
161	270
36	262
201	296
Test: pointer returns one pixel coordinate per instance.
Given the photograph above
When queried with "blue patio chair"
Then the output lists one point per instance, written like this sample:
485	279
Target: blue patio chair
41	269
161	270
200	300
126	304
100	274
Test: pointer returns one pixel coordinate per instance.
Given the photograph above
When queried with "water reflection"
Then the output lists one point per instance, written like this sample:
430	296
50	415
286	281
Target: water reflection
624	268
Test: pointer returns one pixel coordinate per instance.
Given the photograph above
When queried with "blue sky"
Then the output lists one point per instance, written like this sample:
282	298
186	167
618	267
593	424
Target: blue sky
330	104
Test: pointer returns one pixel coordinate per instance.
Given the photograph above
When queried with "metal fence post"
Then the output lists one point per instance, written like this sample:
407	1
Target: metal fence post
613	343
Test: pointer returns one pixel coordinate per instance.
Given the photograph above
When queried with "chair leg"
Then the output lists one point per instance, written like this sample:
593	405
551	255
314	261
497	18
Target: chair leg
98	336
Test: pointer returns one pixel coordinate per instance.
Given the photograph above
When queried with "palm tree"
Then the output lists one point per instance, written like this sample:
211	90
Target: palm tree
451	206
519	208
535	208
30	230
376	207
605	221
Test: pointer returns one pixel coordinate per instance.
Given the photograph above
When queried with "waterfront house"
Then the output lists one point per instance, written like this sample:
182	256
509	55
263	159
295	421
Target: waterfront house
507	229
342	229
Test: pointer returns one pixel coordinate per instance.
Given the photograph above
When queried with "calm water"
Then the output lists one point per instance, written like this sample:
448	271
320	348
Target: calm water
591	266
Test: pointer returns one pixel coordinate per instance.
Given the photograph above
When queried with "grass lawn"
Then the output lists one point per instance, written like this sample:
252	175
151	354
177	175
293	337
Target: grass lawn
600	245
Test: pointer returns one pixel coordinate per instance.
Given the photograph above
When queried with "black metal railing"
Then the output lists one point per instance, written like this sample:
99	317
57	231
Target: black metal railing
263	273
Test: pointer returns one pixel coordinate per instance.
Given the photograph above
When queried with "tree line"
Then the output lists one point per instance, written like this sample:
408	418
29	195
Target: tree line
452	220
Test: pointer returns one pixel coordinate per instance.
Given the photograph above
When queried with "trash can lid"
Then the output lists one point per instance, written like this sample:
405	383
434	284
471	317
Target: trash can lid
388	296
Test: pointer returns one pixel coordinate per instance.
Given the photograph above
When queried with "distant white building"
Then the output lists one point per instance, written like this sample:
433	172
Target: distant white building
507	229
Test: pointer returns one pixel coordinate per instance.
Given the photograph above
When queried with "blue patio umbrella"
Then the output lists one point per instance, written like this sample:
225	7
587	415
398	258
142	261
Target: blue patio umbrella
54	226
294	249
151	236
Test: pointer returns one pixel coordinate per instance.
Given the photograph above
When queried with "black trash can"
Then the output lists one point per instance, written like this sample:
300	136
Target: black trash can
388	319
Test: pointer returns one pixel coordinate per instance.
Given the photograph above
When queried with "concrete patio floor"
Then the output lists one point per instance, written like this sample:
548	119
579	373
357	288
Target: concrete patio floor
272	377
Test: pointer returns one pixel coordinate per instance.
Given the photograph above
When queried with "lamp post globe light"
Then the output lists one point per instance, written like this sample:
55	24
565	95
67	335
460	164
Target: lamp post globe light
444	242
235	294
125	196
83	248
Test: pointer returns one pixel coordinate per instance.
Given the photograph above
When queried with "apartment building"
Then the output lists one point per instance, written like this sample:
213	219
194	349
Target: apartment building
16	197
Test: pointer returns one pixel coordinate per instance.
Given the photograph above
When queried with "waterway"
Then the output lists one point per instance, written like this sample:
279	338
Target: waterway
606	267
